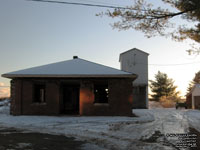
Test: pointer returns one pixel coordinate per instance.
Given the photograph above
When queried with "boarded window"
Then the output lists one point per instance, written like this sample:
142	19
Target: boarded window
101	93
39	93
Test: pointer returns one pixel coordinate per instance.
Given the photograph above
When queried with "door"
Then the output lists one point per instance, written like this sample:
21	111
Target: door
197	102
70	98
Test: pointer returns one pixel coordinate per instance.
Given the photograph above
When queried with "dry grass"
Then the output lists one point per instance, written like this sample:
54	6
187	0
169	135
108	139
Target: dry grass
167	102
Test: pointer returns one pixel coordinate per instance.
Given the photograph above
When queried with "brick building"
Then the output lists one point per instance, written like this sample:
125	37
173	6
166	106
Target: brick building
73	87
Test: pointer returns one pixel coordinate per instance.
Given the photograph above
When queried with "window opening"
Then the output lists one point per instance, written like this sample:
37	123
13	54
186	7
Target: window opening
101	93
39	93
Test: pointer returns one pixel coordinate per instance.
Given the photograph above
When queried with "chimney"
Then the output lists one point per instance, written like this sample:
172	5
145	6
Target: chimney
75	57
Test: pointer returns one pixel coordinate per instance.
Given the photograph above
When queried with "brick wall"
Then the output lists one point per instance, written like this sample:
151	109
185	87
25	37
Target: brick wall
22	98
119	101
15	108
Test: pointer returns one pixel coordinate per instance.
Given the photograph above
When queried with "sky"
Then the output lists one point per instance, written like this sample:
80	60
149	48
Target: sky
35	33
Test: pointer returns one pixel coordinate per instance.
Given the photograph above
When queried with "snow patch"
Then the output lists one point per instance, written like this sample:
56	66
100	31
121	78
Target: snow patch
23	145
193	117
154	105
5	106
110	132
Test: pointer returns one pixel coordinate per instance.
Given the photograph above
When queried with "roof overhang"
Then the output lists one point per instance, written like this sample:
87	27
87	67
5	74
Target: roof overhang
12	76
75	68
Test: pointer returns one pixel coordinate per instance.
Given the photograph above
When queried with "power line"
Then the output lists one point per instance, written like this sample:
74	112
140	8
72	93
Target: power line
97	2
165	65
174	64
82	4
95	5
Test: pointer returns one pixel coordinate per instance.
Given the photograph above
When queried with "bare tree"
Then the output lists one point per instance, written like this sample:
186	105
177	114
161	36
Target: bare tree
152	21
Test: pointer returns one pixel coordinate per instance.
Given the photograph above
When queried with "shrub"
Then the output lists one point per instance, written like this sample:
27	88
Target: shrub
168	102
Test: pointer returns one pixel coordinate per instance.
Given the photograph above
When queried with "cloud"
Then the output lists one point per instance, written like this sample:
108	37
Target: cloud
4	91
2	84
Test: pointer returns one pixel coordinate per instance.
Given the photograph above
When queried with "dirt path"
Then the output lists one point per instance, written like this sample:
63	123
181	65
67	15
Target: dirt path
13	139
172	128
194	131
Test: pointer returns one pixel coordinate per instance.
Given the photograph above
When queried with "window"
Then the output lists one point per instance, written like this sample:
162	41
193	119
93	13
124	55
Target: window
39	93
101	93
139	90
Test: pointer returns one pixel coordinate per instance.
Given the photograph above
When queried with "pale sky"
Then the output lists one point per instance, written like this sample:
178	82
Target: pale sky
33	34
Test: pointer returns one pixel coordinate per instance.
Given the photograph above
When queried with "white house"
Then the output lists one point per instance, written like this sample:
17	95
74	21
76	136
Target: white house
196	96
136	61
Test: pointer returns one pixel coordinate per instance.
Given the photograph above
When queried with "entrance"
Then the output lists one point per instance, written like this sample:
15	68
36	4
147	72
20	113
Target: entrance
70	99
197	102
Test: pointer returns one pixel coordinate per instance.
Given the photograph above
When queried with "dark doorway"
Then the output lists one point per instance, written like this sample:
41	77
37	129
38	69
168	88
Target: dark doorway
70	99
196	102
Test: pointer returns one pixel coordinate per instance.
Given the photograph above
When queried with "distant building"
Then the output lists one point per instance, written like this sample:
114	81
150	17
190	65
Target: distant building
136	61
73	87
193	98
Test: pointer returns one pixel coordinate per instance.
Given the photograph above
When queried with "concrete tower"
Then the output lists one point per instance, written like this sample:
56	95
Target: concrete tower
136	61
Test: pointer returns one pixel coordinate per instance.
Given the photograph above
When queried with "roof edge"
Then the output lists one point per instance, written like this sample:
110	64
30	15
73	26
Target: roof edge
13	72
12	76
133	49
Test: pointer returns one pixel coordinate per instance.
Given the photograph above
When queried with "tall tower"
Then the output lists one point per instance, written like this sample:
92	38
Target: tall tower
136	61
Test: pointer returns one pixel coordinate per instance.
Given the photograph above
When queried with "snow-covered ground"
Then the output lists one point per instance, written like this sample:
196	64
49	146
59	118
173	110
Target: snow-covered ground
145	132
